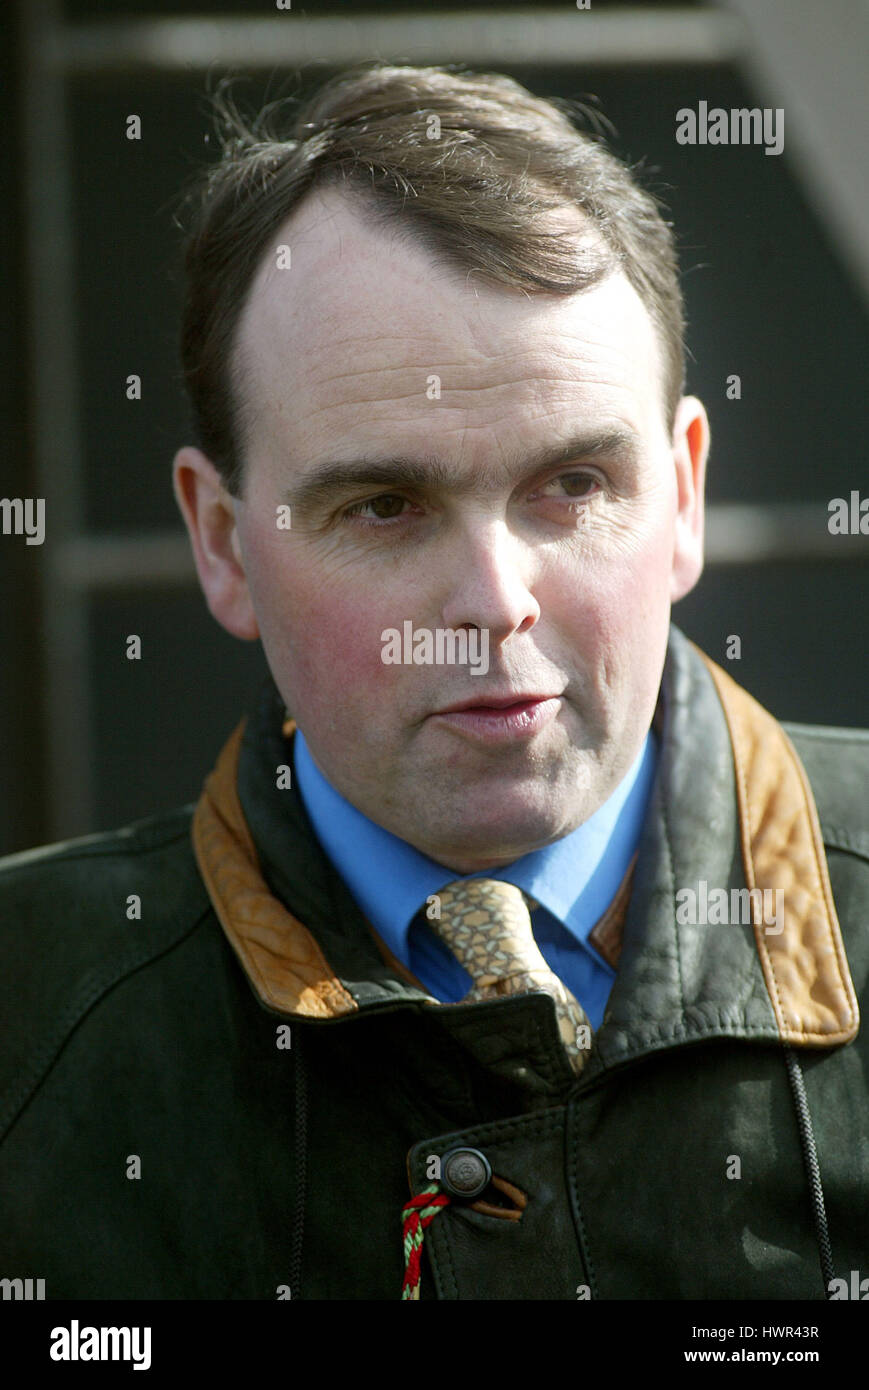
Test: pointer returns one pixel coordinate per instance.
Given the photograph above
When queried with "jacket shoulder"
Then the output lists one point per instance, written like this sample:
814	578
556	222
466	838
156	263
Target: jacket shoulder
77	918
837	765
85	874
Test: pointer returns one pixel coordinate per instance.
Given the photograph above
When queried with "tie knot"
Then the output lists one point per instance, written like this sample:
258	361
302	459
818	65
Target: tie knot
487	925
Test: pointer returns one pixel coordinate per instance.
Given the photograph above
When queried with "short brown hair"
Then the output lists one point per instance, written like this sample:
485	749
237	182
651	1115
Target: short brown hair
479	195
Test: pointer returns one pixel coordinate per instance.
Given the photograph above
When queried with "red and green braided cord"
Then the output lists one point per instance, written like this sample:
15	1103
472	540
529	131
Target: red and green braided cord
418	1213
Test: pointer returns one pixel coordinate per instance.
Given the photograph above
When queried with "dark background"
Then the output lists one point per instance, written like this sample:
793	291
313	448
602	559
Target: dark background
89	739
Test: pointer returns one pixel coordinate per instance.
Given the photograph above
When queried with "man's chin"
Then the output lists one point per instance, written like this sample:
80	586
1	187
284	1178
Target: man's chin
481	842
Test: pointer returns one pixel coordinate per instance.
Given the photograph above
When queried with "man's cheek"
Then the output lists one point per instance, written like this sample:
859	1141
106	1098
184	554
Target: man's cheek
641	589
340	646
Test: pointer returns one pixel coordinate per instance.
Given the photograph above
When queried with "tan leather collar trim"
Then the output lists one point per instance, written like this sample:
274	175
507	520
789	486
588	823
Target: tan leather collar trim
606	935
277	952
805	966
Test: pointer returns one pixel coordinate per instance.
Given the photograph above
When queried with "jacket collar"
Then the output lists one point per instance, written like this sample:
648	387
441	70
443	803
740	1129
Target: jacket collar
731	807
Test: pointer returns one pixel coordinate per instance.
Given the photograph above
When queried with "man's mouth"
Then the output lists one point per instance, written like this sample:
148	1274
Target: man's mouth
496	702
500	718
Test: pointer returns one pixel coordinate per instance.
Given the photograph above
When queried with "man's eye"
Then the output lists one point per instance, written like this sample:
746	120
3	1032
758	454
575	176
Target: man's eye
576	485
384	508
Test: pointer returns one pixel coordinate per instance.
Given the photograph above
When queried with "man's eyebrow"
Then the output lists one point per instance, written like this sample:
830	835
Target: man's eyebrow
431	474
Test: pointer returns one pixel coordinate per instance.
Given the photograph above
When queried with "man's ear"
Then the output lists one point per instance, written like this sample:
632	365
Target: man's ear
208	513
690	450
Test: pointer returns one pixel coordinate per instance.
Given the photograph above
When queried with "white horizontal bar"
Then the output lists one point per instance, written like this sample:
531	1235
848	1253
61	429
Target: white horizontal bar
737	534
545	36
160	559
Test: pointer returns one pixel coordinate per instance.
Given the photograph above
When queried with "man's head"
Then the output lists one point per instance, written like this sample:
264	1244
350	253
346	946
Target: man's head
465	381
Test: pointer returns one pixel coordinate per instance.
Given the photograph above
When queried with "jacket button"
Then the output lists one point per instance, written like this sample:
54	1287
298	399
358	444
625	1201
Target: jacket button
465	1173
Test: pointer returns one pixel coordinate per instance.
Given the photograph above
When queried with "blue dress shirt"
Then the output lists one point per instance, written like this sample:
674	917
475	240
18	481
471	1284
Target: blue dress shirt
574	880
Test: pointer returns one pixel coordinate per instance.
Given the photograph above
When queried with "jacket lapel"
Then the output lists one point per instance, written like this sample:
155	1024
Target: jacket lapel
731	810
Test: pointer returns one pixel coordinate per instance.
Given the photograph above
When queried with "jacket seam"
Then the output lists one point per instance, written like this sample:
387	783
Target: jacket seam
550	1071
503	1131
579	1220
841	839
21	1094
671	873
105	848
453	1289
827	733
680	1033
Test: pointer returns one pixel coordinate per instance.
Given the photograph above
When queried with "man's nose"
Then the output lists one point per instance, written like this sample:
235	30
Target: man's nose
486	578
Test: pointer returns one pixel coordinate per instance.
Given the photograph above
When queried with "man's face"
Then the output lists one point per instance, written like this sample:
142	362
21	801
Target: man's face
569	565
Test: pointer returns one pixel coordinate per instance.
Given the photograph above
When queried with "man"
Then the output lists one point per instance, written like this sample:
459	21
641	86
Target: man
512	950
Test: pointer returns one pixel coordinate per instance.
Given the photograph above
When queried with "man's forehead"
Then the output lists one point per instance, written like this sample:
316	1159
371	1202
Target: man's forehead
357	319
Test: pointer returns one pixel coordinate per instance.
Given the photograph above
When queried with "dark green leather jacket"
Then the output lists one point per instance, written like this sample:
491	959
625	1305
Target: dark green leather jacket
284	1087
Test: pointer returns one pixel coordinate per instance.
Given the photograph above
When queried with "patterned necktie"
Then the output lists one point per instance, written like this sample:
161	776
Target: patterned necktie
487	926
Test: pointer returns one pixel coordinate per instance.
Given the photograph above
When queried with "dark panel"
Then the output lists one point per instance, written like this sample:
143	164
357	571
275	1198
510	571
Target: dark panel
161	721
21	769
804	631
128	302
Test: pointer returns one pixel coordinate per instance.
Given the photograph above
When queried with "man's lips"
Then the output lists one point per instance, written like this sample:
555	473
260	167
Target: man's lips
484	702
499	720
